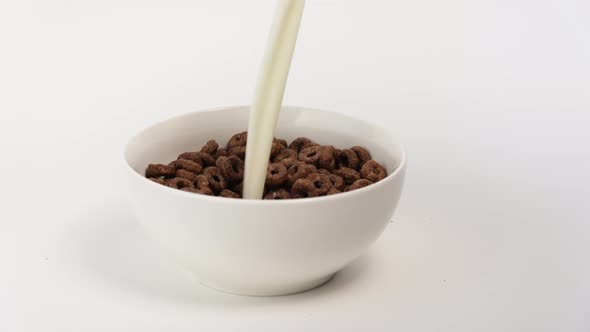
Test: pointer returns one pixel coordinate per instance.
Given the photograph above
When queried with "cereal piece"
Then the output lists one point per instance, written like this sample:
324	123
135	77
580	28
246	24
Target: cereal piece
183	173
229	194
333	191
281	142
179	183
238	140
373	171
220	153
188	165
321	182
327	157
284	154
310	154
304	188
276	175
238	151
337	181
324	171
299	143
231	167
275	149
348	158
348	174
207	159
194	156
216	180
362	154
359	184
210	147
157	170
158	180
299	171
202	191
278	194
288	162
201	182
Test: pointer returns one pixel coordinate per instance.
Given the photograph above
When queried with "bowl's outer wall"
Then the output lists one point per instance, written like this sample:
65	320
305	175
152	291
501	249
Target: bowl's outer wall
258	246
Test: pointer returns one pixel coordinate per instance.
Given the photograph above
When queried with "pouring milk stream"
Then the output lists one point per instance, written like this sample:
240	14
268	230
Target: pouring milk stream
269	92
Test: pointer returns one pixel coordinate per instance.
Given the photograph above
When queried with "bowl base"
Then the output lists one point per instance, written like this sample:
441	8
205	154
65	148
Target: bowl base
267	291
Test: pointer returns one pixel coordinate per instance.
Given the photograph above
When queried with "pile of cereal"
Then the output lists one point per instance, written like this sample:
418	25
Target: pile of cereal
297	170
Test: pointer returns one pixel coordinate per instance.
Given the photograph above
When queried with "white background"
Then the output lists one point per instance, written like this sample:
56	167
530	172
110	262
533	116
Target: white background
490	97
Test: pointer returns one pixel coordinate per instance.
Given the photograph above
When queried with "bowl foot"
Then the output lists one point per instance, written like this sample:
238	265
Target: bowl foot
267	290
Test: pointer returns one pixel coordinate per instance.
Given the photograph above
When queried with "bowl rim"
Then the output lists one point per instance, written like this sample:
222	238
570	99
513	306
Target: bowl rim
267	202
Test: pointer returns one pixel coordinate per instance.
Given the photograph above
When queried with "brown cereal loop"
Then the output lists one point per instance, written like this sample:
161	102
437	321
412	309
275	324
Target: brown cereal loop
359	184
220	153
362	154
310	154
231	167
327	158
324	171
348	174
201	182
278	194
158	170
229	194
216	180
275	149
299	171
337	181
300	143
183	173
304	188
207	159
188	165
321	182
194	156
284	154
210	147
238	151
178	183
281	142
238	188
276	175
373	171
202	191
288	162
238	140
348	158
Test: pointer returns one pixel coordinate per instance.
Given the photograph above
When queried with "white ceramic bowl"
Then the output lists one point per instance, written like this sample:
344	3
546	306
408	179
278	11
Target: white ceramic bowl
260	247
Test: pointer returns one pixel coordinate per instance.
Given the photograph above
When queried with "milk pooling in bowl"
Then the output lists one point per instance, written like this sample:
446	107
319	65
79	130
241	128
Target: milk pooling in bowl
269	93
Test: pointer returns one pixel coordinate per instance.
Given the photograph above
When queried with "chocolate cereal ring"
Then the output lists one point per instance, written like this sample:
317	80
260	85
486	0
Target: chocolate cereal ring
300	143
202	191
189	165
183	173
359	184
281	142
210	147
238	151
288	162
158	180
337	181
194	156
179	183
333	191
348	174
327	158
207	159
238	140
231	167
362	154
304	188
348	158
284	154
220	153
373	171
299	171
321	182
276	175
158	170
216	180
310	154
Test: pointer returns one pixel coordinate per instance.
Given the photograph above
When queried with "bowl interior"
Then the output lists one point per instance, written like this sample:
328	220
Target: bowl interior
164	141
